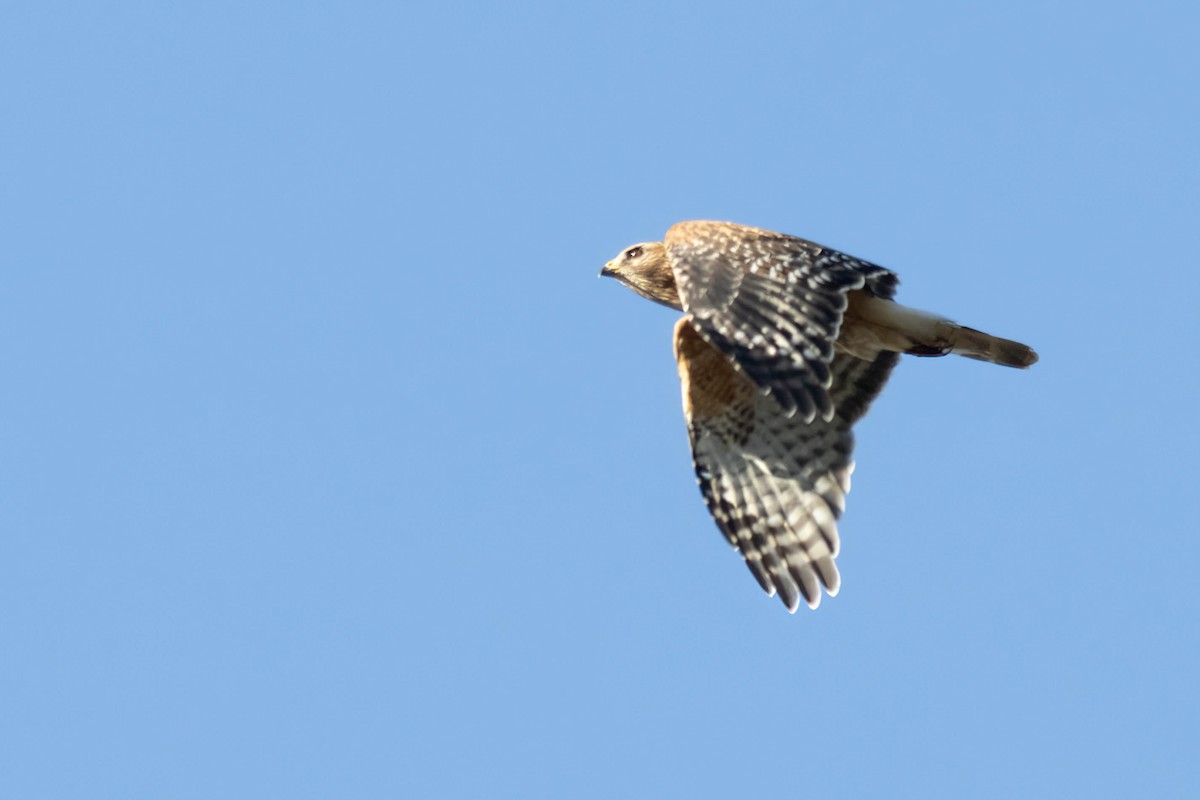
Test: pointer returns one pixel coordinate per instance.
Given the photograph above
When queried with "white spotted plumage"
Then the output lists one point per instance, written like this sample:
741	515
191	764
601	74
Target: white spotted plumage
783	346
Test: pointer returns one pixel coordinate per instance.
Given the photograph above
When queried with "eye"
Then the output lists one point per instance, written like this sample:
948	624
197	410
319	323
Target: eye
633	252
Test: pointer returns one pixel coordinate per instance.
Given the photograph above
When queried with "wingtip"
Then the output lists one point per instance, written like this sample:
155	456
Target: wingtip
791	601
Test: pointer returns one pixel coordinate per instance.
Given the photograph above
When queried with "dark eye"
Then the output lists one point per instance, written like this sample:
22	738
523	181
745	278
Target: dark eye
633	252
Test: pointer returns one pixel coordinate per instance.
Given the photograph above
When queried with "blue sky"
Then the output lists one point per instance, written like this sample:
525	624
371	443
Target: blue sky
328	468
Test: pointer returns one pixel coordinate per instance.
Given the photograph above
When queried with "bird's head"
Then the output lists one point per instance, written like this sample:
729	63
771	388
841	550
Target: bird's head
645	269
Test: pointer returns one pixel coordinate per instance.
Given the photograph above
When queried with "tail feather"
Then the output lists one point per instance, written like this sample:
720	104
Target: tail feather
875	323
985	347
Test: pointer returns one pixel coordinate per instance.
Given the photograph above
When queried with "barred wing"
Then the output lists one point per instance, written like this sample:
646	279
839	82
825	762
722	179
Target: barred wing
772	303
775	484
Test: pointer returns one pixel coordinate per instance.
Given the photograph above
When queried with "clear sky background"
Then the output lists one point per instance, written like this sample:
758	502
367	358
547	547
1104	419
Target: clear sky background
329	468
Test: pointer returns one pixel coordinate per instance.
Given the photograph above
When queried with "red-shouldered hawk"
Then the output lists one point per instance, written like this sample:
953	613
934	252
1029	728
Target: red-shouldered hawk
782	347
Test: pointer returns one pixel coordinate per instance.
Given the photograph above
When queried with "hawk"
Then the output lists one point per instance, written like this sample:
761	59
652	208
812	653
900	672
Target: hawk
782	347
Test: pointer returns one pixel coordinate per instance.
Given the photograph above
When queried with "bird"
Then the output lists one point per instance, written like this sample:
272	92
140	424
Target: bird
782	347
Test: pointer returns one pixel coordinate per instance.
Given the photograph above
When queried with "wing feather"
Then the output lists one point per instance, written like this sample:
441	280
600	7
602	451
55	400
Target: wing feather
775	484
773	303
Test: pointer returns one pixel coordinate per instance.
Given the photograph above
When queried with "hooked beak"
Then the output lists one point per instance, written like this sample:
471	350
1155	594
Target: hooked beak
608	270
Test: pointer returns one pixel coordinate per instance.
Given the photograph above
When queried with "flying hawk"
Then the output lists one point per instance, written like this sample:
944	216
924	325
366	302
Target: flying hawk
782	347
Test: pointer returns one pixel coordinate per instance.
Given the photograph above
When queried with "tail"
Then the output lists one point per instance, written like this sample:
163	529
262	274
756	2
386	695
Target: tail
984	347
891	326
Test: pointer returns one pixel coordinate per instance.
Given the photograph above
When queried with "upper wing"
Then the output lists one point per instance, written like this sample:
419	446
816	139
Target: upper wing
772	303
775	484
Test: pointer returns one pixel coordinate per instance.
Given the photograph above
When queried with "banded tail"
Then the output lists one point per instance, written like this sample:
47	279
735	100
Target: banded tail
985	347
887	325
